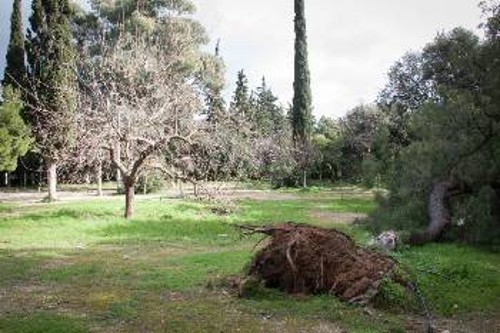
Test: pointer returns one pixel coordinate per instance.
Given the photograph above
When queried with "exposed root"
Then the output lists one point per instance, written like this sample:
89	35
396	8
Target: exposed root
303	259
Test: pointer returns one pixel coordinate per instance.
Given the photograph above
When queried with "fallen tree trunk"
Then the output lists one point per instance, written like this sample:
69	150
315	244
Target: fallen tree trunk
310	260
438	212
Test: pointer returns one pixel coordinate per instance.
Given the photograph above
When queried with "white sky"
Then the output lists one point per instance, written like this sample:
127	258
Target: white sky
352	43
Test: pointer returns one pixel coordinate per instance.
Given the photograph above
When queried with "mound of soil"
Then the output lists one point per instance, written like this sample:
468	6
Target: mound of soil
303	259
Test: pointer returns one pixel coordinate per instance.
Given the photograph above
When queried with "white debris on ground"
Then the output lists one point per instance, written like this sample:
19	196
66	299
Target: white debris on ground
387	240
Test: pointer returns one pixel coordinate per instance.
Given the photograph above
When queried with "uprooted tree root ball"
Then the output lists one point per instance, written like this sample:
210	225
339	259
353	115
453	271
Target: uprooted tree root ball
311	260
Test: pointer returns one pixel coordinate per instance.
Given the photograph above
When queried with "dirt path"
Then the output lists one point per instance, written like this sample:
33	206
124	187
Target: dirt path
324	217
32	197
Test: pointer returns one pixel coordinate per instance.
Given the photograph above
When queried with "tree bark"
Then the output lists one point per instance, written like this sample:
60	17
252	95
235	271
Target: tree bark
129	186
52	180
438	212
304	179
99	179
119	176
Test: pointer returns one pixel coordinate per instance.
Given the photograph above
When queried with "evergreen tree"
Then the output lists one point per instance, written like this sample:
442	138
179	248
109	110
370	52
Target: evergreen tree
215	106
52	80
15	70
214	77
302	100
240	106
14	134
269	116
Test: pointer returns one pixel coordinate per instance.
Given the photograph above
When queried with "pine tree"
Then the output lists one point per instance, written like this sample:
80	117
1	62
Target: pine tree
215	69
302	99
215	106
240	106
52	81
15	70
269	115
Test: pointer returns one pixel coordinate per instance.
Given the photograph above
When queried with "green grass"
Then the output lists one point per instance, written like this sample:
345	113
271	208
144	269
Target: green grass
42	323
456	279
79	267
6	208
300	209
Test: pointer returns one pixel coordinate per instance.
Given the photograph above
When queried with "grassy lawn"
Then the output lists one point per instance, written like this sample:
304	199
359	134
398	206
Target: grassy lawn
80	267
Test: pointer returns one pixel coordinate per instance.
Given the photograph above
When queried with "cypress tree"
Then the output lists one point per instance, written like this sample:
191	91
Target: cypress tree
52	80
302	100
14	134
15	70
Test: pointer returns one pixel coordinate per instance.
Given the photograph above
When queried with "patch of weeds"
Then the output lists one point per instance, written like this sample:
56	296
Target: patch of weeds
191	271
394	297
321	307
6	208
68	214
359	233
265	212
127	309
252	287
352	205
74	272
456	279
42	322
14	268
312	189
188	231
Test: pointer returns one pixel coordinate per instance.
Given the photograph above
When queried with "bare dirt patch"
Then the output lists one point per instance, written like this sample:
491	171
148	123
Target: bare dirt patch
32	196
470	323
329	218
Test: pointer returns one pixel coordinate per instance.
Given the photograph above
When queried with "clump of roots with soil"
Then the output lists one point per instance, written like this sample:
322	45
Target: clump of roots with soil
303	259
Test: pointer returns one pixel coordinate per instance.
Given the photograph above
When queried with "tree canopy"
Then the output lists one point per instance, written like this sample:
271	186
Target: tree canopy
15	137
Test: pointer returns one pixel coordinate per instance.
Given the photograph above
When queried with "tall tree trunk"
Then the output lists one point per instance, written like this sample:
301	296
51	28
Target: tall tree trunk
52	180
304	178
129	186
99	179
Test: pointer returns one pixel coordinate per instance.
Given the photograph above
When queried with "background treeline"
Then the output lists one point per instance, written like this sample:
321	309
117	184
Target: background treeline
92	108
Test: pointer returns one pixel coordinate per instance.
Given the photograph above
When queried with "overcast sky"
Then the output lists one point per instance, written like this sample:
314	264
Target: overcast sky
352	43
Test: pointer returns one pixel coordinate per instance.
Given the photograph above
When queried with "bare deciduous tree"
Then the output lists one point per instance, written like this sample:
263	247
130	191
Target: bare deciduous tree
144	95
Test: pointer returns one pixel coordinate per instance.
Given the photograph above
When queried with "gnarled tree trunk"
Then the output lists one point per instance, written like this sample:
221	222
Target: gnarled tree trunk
438	212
